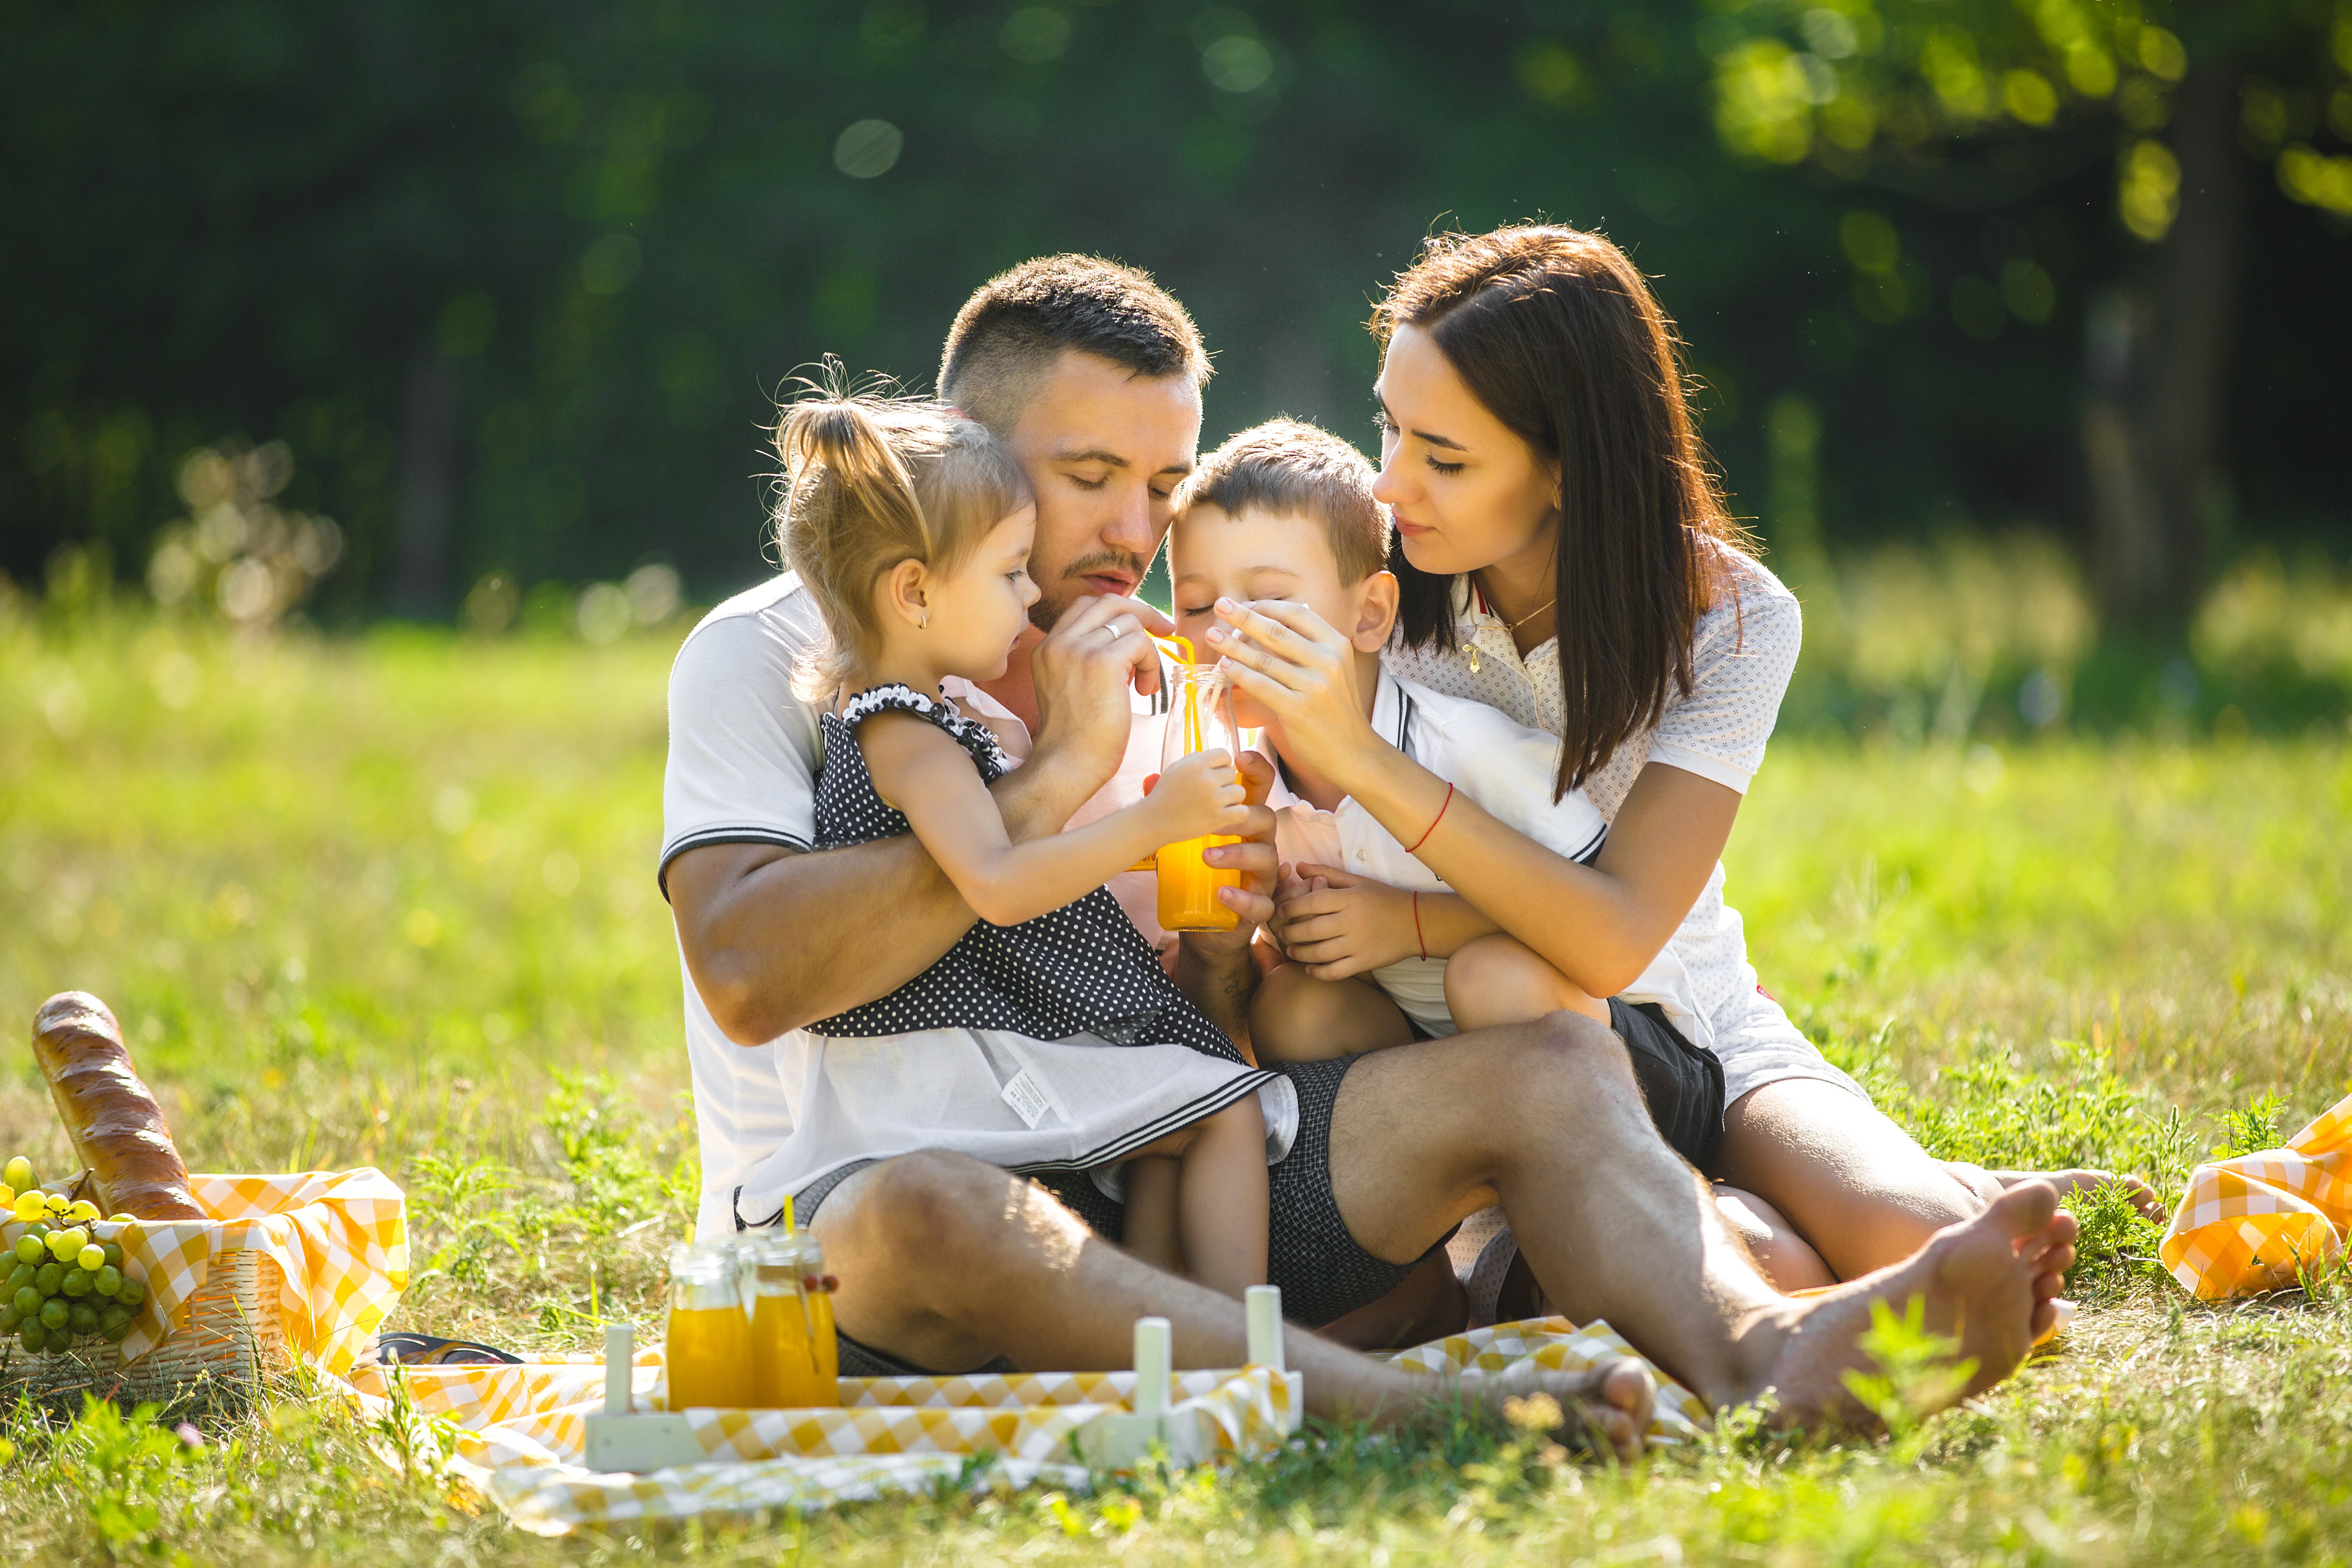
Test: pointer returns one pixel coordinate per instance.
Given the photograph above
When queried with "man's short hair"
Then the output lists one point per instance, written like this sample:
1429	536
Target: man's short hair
1008	335
1292	468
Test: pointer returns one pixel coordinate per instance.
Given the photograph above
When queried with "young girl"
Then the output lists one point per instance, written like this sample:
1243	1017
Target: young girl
1049	1037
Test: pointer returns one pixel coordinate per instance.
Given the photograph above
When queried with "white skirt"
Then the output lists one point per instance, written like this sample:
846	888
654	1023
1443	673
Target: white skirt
1027	1105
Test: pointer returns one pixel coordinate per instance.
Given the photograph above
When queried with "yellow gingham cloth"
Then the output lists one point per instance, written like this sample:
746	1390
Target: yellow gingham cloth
2248	1222
340	1240
518	1432
1555	1344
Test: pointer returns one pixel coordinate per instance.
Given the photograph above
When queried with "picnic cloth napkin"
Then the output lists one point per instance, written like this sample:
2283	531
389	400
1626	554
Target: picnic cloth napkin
518	1432
2250	1221
340	1240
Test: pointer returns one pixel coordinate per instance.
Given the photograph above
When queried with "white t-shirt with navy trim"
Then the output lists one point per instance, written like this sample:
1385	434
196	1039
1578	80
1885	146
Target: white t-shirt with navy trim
744	754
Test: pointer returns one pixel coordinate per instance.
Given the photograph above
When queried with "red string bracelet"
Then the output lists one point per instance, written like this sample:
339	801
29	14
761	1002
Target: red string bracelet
1416	926
1432	826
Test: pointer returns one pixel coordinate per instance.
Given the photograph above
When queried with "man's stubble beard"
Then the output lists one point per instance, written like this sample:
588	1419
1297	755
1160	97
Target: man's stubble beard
1068	590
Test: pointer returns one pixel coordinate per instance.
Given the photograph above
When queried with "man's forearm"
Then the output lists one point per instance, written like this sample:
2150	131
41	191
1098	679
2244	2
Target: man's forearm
776	939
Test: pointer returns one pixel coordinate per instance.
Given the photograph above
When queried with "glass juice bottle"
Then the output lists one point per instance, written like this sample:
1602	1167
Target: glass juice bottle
1200	718
793	1353
709	1349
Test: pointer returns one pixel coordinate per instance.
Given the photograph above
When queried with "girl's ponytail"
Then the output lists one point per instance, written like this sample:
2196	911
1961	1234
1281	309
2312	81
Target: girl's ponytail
869	480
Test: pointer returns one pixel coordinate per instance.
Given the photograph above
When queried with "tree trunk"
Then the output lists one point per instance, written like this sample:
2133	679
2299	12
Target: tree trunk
2159	367
427	451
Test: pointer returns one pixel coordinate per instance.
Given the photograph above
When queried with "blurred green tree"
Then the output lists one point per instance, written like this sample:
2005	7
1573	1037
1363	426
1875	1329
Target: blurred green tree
1975	104
517	286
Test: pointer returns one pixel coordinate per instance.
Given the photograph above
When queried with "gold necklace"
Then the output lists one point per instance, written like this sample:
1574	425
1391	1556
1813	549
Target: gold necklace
1514	626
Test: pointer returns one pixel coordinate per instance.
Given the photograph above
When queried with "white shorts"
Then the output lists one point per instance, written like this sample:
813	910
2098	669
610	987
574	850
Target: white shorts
1757	1045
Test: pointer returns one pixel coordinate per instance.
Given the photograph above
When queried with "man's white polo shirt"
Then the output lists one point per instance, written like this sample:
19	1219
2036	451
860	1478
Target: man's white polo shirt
744	754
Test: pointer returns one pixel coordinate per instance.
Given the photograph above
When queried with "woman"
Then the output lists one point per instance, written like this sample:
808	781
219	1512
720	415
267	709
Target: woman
1565	554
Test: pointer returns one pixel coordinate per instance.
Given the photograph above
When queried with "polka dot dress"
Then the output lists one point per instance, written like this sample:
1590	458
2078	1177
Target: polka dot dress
1082	969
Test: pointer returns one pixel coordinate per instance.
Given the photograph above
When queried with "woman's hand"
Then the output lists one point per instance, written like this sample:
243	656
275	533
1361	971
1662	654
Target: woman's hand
1336	923
1303	673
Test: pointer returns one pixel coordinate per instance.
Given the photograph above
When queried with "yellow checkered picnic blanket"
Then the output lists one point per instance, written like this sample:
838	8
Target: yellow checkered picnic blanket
2250	1221
339	1239
518	1433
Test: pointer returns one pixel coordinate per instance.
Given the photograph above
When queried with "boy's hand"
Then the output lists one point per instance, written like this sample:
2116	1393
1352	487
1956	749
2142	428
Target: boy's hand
1200	795
1335	923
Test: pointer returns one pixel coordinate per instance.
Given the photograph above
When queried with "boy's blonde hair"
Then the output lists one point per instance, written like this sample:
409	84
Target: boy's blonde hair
1290	466
870	480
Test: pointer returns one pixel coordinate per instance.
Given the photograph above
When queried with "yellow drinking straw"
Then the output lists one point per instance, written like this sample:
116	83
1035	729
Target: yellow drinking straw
1180	649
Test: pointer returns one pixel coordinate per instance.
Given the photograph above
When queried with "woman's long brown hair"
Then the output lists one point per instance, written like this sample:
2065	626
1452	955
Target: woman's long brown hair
1558	335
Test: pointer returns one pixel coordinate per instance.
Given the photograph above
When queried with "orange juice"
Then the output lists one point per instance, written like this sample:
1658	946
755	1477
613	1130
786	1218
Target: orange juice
794	1357
1188	887
828	1348
1200	718
710	1355
783	1364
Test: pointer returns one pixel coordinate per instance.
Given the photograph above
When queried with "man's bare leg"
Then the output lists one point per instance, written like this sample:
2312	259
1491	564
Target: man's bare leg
1548	1118
947	1262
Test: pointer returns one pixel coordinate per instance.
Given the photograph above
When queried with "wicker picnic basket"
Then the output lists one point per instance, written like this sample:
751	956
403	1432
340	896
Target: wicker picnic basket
235	1335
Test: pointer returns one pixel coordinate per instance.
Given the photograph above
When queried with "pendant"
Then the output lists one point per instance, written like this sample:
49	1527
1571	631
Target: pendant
1473	658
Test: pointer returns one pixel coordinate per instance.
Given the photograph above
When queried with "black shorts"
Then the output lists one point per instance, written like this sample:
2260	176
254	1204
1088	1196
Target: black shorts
1323	1273
1682	1082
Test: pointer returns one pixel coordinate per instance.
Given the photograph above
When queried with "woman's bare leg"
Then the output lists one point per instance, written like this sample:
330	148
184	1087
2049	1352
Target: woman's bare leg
1151	1230
1786	1260
1497	979
1991	1185
1295	1017
1853	1184
1221	1199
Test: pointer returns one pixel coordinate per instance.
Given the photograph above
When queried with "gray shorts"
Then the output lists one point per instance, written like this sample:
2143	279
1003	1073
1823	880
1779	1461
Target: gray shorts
1323	1272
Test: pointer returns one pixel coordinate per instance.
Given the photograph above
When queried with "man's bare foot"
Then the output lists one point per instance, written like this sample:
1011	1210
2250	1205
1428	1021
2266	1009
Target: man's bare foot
1988	1282
1609	1406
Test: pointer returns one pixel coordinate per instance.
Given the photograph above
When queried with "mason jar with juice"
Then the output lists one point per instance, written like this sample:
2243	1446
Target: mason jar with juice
795	1360
709	1345
1200	718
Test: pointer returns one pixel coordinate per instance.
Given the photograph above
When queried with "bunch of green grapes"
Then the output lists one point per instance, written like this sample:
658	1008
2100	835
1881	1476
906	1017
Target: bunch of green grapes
64	1283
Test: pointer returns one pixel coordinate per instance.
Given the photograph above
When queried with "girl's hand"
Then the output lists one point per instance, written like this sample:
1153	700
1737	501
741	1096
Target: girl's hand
1304	674
1336	923
1198	795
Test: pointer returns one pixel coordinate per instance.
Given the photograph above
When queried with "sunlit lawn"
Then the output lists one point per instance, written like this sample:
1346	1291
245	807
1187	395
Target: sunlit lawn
390	901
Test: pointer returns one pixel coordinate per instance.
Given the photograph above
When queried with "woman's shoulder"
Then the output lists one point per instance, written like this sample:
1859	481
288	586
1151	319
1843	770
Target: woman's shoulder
1751	614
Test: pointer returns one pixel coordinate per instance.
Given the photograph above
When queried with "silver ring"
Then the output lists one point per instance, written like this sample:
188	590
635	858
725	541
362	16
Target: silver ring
1112	627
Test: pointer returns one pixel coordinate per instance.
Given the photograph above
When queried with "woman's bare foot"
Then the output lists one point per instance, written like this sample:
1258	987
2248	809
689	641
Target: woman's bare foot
1609	1406
1988	1282
2143	1197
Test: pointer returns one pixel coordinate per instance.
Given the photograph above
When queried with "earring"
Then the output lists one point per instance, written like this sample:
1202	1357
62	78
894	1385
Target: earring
924	624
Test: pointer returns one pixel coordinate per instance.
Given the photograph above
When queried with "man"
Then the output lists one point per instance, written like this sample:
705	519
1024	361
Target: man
1093	375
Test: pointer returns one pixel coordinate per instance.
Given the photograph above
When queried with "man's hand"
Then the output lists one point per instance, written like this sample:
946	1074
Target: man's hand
1214	967
1253	857
1082	673
1336	923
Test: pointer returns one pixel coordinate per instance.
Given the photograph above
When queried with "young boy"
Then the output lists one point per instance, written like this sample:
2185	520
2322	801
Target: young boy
1285	510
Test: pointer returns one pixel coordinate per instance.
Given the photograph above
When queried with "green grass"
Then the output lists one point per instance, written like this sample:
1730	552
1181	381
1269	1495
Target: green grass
390	901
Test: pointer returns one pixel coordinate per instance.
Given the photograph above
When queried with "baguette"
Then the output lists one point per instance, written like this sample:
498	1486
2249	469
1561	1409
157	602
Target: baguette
117	1128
